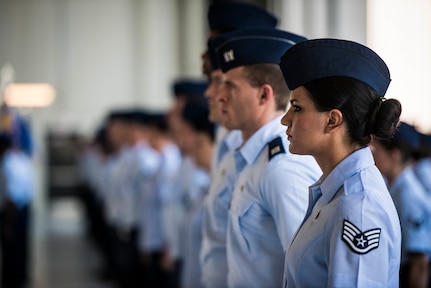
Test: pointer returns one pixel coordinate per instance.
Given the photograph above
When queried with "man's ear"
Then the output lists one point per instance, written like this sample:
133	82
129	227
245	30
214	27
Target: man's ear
334	120
266	93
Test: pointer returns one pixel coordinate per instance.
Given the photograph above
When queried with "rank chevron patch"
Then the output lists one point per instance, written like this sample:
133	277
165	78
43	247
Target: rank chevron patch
360	242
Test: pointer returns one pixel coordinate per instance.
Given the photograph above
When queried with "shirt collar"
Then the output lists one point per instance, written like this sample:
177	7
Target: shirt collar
251	149
231	141
351	165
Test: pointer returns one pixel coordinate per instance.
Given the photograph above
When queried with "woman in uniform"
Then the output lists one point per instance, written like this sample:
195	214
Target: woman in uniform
350	236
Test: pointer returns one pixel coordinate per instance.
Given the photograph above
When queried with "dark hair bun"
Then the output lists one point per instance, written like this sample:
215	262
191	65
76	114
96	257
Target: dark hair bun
387	119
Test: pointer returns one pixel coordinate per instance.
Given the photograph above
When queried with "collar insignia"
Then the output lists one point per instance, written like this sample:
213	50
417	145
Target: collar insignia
275	147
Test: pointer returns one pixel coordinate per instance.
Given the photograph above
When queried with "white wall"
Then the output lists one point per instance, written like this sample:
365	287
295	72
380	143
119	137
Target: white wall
400	31
323	18
101	54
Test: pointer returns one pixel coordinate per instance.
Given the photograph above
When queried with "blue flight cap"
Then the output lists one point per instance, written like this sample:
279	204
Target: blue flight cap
121	115
226	16
139	116
321	58
426	140
253	46
212	55
408	134
189	87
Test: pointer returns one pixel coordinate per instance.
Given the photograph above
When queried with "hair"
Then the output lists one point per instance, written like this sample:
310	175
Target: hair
364	111
196	115
159	122
260	74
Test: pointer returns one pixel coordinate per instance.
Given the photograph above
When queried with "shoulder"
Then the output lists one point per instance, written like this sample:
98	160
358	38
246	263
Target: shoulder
366	204
276	147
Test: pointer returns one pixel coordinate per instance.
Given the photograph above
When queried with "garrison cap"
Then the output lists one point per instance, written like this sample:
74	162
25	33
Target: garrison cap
122	115
253	46
189	87
226	16
212	55
426	140
408	134
139	116
321	58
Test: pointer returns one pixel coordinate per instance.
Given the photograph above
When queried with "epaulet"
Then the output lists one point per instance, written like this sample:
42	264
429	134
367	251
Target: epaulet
275	147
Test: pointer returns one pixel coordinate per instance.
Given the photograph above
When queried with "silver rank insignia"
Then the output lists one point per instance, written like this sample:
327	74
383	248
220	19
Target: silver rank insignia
228	56
360	242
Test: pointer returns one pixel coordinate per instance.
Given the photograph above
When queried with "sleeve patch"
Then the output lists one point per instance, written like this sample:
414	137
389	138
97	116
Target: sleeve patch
275	147
358	241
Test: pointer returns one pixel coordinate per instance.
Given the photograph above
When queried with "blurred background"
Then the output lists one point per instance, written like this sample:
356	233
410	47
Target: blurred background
98	55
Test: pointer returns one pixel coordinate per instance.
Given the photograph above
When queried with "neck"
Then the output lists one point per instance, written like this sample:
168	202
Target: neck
330	158
158	143
249	131
204	152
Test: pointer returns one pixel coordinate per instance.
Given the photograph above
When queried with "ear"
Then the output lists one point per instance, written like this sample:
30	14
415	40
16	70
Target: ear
266	93
334	120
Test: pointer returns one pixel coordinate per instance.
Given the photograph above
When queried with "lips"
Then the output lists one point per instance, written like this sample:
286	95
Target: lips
288	135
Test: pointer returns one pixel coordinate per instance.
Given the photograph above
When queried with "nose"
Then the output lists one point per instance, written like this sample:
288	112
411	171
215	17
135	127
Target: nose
208	92
285	119
221	94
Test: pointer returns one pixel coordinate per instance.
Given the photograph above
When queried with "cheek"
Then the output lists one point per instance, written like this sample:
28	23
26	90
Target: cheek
302	125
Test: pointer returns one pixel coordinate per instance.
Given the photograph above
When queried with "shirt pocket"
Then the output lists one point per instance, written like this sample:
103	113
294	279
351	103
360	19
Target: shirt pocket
244	222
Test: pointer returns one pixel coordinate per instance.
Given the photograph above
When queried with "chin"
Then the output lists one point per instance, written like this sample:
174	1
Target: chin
293	150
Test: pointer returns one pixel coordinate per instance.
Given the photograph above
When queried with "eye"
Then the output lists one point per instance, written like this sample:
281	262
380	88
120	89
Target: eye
296	108
229	84
218	82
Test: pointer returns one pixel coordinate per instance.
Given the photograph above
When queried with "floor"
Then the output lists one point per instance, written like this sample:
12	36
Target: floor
62	255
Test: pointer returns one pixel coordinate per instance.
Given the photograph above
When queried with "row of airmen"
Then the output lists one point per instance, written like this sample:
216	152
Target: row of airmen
139	188
226	204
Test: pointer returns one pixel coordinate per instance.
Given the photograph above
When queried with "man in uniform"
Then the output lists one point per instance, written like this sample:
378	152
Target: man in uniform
269	197
222	17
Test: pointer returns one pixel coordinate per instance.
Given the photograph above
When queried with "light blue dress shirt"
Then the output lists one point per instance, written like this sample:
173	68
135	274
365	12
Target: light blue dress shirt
109	186
144	166
191	244
351	234
189	185
414	210
17	178
268	203
216	205
220	135
423	172
153	238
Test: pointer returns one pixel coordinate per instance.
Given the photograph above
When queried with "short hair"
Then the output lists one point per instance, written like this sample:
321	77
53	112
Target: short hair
260	74
364	111
196	116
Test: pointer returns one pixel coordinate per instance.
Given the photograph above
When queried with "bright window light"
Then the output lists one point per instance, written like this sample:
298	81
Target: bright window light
400	32
29	95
